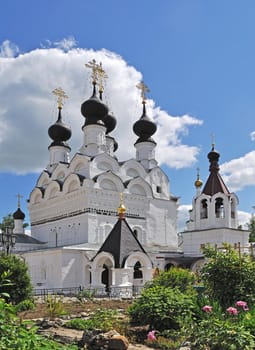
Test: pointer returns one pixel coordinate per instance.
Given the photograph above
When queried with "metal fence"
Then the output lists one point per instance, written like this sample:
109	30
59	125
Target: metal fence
112	292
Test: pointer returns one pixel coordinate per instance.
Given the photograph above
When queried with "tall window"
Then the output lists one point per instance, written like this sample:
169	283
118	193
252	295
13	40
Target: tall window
204	209
219	208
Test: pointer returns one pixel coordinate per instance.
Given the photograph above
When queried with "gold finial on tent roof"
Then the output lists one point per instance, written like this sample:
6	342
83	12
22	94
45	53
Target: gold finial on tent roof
121	208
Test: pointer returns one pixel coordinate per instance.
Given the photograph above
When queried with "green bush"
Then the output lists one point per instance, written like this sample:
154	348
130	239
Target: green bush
221	334
228	276
18	335
25	305
102	319
82	324
55	305
19	287
162	308
175	277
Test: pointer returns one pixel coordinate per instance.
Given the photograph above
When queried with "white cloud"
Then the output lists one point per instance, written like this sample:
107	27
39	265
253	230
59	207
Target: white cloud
183	216
170	130
244	219
66	43
8	49
240	172
27	108
252	135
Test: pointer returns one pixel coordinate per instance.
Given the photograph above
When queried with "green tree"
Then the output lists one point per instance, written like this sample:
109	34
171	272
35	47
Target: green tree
163	308
19	287
251	228
175	277
228	276
8	221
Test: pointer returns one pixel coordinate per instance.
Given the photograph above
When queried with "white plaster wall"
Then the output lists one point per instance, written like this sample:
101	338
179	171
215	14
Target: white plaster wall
192	240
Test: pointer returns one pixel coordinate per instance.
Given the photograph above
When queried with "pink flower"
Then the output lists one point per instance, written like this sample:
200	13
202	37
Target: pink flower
242	304
207	308
151	335
232	311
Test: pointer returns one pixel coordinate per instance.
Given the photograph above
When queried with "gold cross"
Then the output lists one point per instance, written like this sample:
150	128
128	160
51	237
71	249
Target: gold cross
19	196
101	77
94	66
198	175
141	86
213	139
60	93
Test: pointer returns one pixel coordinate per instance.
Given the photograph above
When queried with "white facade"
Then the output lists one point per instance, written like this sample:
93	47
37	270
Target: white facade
213	217
73	207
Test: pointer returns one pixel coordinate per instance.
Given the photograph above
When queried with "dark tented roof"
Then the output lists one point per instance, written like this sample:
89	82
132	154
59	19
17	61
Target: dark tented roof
26	239
121	242
214	183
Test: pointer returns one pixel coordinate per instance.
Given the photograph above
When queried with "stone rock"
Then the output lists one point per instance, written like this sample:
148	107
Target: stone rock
118	342
96	340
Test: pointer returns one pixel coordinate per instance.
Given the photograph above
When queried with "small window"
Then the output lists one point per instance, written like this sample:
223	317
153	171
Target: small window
159	189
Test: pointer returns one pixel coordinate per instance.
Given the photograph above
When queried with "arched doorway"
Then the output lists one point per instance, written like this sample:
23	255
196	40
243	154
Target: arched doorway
137	271
105	277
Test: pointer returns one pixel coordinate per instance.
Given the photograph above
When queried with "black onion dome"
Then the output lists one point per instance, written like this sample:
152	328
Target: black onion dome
59	132
213	157
110	122
94	109
18	215
144	127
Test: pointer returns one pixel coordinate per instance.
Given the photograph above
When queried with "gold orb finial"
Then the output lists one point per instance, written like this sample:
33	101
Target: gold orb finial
121	208
198	183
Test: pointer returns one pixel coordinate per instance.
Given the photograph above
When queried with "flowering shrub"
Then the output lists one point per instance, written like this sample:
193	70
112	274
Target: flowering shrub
228	276
224	331
243	305
151	335
207	308
232	310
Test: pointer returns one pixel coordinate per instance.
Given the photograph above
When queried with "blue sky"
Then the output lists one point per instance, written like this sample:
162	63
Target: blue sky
196	56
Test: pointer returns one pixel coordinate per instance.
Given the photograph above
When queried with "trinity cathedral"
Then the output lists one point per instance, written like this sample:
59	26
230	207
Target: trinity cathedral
101	223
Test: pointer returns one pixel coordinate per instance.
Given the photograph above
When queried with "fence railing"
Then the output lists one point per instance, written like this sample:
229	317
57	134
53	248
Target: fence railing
111	292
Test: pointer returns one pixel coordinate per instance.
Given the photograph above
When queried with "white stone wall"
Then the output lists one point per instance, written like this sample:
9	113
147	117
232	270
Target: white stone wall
73	212
192	240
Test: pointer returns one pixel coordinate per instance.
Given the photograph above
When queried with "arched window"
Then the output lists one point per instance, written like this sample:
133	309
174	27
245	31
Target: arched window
137	272
219	208
204	209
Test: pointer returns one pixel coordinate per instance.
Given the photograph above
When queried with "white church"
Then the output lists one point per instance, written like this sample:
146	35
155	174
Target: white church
104	224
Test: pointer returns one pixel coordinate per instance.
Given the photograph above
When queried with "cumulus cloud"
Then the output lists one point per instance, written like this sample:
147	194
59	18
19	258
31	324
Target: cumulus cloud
8	49
239	172
244	219
27	108
183	217
252	135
